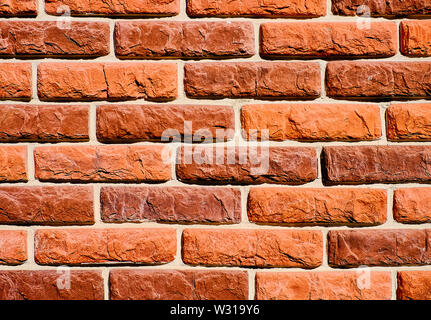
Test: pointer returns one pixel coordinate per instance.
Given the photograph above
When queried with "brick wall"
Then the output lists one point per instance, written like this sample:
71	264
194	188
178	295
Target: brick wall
215	149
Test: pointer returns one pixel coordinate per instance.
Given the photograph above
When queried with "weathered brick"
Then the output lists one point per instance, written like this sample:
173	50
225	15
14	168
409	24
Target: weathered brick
378	80
13	247
246	165
253	248
340	206
311	122
412	205
415	38
107	81
51	39
47	205
18	8
100	246
324	285
409	122
374	164
378	247
276	80
178	285
379	8
414	285
170	204
103	163
328	39
192	123
51	285
256	8
44	123
13	164
113	7
143	39
15	81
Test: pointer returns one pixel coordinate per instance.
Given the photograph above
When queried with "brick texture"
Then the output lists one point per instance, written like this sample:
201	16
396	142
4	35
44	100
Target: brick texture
215	150
178	285
102	246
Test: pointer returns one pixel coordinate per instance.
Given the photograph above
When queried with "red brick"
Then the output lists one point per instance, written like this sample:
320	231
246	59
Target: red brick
132	123
13	247
378	8
253	248
376	164
340	206
409	122
13	164
177	39
44	123
18	8
47	205
246	165
415	38
50	39
414	285
100	246
113	8
256	8
357	285
107	81
378	80
412	205
178	285
379	247
311	122
170	204
15	81
276	80
51	285
328	39
103	163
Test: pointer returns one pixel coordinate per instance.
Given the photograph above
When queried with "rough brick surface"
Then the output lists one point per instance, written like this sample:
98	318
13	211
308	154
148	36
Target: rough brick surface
170	204
323	39
103	163
44	123
13	247
409	122
277	80
13	164
353	248
242	165
256	8
311	122
412	205
137	39
371	80
106	81
317	206
192	123
323	286
113	8
46	205
414	285
373	164
415	38
51	285
99	246
15	81
178	285
18	8
51	38
378	8
253	248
